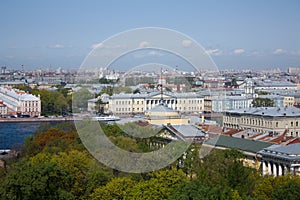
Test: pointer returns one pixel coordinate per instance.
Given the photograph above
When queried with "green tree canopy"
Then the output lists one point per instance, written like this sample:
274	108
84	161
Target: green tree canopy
262	102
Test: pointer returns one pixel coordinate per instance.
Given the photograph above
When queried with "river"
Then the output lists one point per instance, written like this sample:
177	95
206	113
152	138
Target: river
14	133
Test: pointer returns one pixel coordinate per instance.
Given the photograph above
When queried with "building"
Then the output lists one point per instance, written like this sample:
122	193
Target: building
182	132
219	104
19	102
294	70
249	148
163	115
271	120
3	109
269	85
289	100
130	104
280	160
99	104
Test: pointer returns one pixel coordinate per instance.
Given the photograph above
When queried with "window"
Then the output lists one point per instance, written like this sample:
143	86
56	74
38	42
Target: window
292	123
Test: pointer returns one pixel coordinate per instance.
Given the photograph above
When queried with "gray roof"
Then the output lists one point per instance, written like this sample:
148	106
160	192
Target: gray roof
238	143
292	149
269	83
289	111
161	108
188	130
13	94
149	95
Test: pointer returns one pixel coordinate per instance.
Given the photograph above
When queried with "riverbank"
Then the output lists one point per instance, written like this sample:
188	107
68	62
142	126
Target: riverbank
44	119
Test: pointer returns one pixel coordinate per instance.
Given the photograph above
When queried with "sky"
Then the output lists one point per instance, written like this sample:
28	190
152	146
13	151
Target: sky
249	34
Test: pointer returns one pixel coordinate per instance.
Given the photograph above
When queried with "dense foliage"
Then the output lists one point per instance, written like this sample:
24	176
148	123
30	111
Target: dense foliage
262	102
58	102
53	164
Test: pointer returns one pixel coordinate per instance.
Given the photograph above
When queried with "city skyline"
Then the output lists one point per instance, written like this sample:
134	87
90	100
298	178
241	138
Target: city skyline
249	34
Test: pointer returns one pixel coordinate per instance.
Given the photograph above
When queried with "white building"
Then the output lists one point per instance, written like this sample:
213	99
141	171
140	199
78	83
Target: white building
3	109
269	85
138	103
20	102
280	160
220	104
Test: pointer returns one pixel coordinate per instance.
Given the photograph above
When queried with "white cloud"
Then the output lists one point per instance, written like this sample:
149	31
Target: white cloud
214	52
297	53
155	53
239	51
56	46
144	44
9	57
98	45
186	43
279	51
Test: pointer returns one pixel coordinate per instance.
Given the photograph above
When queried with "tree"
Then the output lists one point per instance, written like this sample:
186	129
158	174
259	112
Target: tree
52	102
290	190
234	82
160	185
115	189
80	99
136	91
45	180
262	102
281	187
197	189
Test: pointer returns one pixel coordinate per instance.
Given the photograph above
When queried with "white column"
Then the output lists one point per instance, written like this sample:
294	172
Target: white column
263	168
285	170
279	170
274	169
292	170
269	169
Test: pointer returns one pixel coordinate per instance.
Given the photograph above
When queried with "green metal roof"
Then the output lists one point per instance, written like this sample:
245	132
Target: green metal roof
253	146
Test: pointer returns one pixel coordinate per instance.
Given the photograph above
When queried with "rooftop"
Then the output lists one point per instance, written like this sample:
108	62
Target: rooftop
292	149
238	143
17	94
289	111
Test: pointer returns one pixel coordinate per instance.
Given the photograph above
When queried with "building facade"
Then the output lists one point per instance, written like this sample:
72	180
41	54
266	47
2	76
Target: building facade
125	104
280	160
3	109
20	102
272	120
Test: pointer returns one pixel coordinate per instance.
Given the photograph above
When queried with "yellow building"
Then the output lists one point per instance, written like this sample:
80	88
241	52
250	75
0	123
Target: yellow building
289	100
163	115
274	120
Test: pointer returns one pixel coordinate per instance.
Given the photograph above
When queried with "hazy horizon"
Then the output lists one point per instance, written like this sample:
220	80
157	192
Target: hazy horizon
236	34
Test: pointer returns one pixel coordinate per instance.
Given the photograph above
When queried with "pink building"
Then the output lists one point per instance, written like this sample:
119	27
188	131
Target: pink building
20	102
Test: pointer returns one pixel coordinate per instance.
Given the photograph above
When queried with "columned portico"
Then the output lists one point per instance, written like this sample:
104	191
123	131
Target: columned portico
274	169
264	168
280	160
279	170
269	169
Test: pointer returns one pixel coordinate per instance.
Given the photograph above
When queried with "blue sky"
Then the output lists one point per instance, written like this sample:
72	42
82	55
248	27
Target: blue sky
237	34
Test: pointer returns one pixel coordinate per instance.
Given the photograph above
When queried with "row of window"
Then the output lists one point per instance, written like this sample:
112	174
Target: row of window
172	101
257	122
31	103
31	109
128	102
129	110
